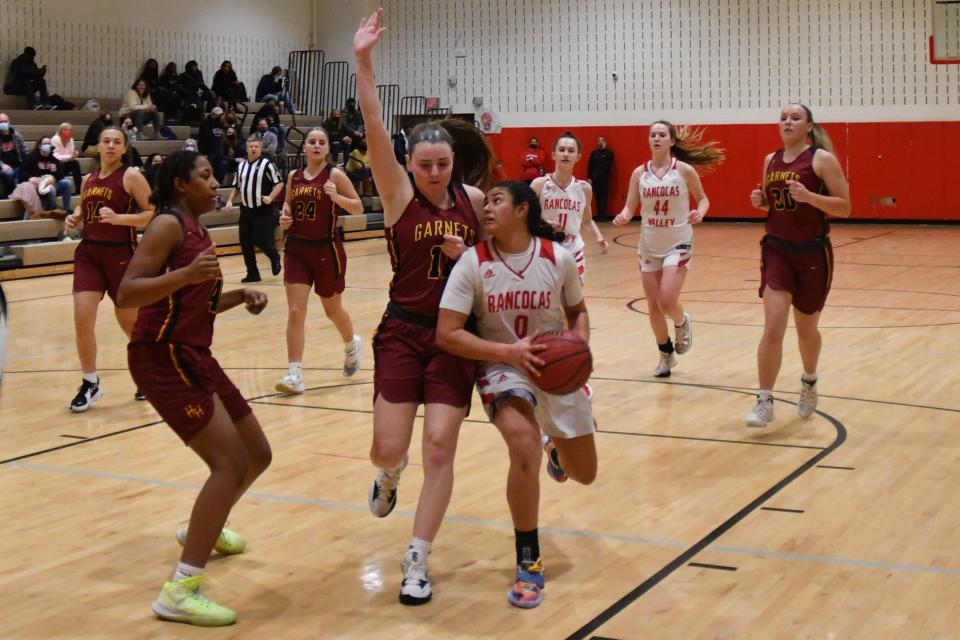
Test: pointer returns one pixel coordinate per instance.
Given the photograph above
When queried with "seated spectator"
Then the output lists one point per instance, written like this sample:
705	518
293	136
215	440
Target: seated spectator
271	114
234	149
170	96
210	143
226	85
66	152
41	163
90	140
192	81
268	139
271	84
138	106
150	73
358	168
352	116
130	131
13	152
341	136
190	145
25	79
150	169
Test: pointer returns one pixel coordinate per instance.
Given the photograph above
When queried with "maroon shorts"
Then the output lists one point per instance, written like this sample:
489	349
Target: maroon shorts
409	367
99	266
805	271
179	380
321	264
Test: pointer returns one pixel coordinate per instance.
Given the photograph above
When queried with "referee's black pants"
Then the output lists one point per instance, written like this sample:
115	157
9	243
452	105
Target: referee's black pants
257	226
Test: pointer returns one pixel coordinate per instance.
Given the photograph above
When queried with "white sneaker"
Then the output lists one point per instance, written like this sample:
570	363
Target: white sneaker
667	361
291	383
807	402
352	356
415	588
383	492
762	413
684	339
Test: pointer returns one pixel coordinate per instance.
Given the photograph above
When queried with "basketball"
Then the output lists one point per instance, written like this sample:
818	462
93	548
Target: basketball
569	362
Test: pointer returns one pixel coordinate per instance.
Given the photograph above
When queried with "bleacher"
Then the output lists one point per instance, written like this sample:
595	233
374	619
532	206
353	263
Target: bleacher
29	244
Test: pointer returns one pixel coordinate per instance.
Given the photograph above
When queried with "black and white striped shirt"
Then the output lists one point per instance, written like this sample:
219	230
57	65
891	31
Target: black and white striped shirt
256	179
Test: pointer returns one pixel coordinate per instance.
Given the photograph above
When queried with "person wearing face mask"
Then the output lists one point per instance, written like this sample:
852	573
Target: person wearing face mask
268	140
45	173
210	143
271	84
352	116
234	152
271	114
25	79
341	135
66	152
13	151
92	137
533	159
154	160
192	80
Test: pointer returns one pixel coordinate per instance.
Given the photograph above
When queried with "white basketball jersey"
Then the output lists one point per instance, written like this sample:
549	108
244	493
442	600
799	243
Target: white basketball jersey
565	206
665	207
514	295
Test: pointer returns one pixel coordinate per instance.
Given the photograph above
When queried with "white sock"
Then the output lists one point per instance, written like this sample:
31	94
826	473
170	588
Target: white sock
185	570
296	368
810	377
421	546
92	378
764	394
350	345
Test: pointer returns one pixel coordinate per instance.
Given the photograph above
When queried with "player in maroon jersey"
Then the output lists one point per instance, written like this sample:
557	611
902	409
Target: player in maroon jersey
174	279
313	253
114	202
803	183
429	222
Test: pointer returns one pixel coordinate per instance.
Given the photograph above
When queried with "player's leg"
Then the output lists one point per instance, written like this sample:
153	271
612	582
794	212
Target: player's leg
352	344
85	305
671	284
658	322
298	297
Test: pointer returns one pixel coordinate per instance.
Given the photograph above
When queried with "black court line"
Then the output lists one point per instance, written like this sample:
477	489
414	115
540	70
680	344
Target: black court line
632	596
781	509
719	440
67	435
704	565
827	466
859	240
79	442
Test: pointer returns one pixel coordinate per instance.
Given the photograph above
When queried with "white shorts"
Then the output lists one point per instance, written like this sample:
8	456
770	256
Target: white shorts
560	417
678	255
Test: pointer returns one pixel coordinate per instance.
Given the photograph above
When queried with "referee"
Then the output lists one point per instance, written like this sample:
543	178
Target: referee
260	184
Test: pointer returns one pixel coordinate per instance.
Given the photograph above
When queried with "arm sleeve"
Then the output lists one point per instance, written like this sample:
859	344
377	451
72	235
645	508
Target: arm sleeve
572	287
461	287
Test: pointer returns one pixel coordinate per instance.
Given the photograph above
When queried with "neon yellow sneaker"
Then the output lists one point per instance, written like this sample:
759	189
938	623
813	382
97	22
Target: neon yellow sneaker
228	543
183	601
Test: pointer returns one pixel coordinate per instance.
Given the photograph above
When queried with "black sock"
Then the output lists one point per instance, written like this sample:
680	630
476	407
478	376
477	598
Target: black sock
666	347
528	546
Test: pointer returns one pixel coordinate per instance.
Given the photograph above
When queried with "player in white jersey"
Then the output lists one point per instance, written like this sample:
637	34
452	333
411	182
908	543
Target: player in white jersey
565	200
518	284
662	188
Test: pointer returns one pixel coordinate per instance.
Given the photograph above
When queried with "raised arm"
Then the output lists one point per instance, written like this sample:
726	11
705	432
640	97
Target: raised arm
391	179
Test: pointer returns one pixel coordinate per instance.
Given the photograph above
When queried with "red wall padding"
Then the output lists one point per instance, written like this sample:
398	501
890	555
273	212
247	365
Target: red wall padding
907	161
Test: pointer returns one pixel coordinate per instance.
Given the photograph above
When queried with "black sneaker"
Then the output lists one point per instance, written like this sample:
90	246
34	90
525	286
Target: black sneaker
138	396
250	279
275	266
87	394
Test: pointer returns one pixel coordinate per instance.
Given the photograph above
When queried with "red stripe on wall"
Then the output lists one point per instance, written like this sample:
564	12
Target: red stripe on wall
906	161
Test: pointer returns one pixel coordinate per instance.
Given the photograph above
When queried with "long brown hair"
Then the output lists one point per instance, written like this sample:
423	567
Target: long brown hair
472	158
818	135
689	146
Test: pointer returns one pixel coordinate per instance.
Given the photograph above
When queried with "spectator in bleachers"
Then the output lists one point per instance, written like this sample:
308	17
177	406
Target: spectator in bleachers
352	116
130	131
190	145
150	73
192	80
13	152
90	140
66	152
234	149
171	97
41	163
358	168
150	168
138	106
25	79
341	137
271	84
271	113
210	143
226	85
268	139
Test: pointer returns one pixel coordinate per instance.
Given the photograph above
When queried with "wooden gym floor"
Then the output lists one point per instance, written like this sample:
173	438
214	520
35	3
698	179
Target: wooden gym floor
842	526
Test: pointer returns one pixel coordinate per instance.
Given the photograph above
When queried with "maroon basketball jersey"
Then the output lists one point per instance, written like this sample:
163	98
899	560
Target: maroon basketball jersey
106	192
314	213
186	315
420	268
789	220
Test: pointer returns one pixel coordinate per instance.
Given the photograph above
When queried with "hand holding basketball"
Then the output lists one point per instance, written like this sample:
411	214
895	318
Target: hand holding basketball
204	267
255	301
567	360
367	36
522	354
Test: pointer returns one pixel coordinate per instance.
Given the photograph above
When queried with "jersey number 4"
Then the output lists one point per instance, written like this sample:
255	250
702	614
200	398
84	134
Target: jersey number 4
306	211
91	211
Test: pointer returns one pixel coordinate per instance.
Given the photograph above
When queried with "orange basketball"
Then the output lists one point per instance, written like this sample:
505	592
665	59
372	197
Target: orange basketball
569	362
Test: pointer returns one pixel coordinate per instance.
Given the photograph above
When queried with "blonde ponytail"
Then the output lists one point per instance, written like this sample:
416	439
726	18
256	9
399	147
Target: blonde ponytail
689	147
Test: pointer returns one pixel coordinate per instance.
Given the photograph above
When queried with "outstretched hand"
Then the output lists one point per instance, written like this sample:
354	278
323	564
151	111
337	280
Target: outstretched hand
368	35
